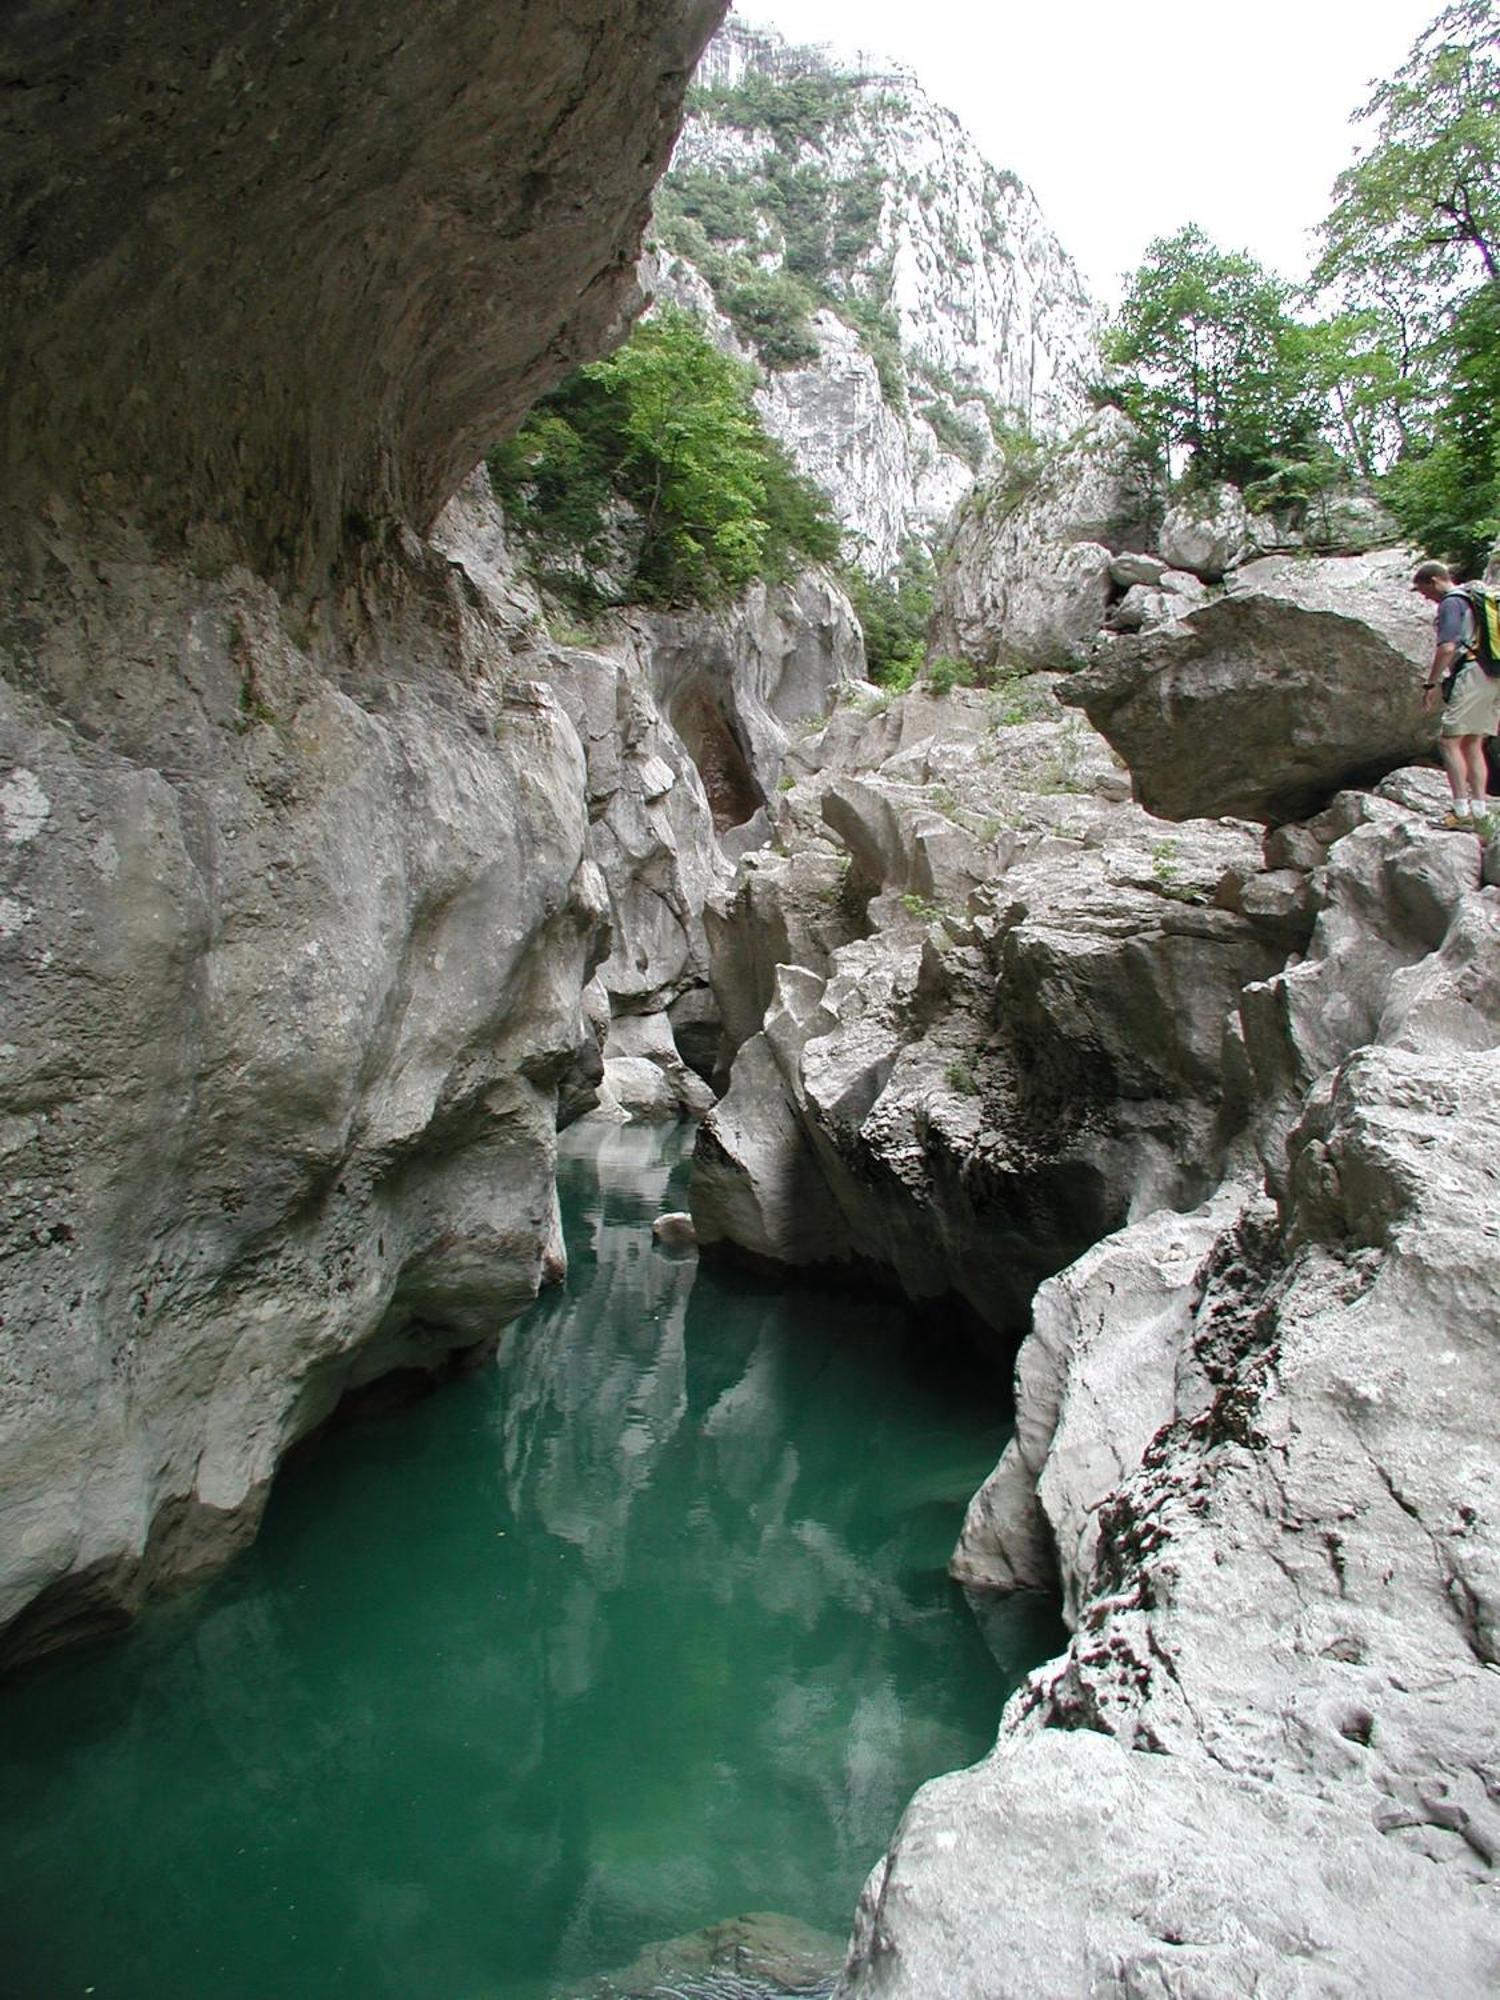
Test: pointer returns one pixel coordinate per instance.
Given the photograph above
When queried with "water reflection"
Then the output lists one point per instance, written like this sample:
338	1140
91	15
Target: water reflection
726	1472
647	1627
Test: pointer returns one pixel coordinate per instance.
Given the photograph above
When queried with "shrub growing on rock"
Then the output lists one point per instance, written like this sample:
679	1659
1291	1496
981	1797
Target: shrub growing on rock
665	432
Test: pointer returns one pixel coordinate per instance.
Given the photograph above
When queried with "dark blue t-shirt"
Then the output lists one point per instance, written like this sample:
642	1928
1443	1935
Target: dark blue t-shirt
1455	621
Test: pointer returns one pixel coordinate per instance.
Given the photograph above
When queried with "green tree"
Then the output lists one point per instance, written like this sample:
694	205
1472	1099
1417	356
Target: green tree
893	612
1219	372
1413	241
664	434
772	310
1447	495
1424	199
1358	368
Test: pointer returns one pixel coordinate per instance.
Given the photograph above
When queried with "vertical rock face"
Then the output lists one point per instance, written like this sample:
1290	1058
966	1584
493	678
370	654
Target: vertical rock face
1027	571
948	308
1258	1442
297	905
290	975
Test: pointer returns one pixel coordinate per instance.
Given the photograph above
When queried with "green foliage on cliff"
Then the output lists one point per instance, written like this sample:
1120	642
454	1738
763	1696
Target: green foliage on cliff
795	110
795	234
772	312
893	613
1446	495
722	204
647	478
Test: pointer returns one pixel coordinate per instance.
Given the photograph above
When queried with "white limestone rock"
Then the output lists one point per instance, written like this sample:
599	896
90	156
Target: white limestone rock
645	1076
1349	523
1137	568
1035	1023
292	966
988	310
1096	1380
1027	582
323	963
1261	1760
1259	1765
1206	532
1302	677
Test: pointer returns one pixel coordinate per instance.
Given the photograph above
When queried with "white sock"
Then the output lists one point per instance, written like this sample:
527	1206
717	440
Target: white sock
1464	808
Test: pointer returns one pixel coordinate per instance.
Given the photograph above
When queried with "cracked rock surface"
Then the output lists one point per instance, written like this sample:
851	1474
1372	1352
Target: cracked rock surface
1256	1441
1000	1031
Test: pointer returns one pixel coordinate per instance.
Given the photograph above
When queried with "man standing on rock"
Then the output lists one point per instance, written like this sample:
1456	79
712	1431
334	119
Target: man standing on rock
1471	700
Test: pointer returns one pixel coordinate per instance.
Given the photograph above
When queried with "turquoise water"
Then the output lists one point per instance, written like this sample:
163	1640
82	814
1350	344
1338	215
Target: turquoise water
644	1628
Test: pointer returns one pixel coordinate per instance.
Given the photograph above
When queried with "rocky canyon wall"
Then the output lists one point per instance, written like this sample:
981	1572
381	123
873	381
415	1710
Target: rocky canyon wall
1006	1013
298	903
908	301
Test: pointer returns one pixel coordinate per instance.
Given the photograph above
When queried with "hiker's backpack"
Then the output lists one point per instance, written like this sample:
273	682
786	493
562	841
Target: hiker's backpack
1485	604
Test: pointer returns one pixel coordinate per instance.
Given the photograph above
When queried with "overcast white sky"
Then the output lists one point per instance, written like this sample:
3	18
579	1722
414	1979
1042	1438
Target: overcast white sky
1128	122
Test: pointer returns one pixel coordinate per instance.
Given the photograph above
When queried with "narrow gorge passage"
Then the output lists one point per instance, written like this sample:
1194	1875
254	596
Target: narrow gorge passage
644	1629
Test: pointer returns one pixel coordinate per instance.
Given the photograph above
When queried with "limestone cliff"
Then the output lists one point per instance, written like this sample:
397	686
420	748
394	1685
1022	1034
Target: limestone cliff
906	296
297	904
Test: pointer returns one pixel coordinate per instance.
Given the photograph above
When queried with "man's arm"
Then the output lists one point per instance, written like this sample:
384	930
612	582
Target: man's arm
1442	663
1450	627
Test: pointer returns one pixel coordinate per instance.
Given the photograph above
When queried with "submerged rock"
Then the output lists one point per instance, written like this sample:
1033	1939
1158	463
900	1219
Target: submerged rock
761	1956
675	1230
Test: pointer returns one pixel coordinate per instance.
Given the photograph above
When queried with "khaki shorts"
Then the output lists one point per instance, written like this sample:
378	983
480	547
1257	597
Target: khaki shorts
1473	708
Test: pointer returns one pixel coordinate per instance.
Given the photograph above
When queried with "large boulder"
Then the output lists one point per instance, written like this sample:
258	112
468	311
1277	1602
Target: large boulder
1026	577
1349	522
1301	679
1205	532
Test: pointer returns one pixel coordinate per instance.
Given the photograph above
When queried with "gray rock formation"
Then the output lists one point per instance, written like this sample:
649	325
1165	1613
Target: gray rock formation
297	908
292	971
1206	533
1025	1045
686	718
290	309
1257	1442
740	684
1302	678
1254	1434
1027	574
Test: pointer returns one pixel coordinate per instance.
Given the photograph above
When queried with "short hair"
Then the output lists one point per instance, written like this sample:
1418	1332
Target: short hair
1432	572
